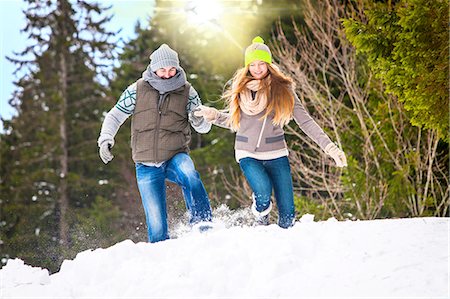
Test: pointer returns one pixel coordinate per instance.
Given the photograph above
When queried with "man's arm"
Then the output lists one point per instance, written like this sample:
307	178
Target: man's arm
197	122
113	120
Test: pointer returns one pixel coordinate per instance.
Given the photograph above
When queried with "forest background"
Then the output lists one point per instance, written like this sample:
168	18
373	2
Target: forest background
373	74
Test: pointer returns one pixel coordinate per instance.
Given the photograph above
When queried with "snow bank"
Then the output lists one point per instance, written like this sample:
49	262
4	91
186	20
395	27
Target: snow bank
352	259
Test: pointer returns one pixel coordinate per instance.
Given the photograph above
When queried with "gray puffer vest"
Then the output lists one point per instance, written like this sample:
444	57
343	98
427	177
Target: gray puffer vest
159	125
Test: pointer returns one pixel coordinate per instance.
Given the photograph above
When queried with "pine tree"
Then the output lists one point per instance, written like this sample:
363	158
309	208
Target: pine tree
406	44
53	169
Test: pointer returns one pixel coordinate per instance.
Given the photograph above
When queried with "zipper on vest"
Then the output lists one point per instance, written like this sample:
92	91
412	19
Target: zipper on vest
261	133
158	121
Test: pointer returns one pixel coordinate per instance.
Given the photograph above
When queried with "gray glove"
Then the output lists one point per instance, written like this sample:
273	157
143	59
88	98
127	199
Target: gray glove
337	154
196	121
209	113
105	143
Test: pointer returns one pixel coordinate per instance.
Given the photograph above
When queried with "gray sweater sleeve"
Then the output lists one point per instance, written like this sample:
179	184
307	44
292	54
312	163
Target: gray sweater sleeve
198	123
118	114
309	126
113	120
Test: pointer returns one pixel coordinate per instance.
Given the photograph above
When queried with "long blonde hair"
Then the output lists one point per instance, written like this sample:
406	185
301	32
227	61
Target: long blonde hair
278	87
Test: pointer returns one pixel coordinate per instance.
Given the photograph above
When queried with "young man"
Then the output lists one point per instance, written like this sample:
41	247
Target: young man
161	105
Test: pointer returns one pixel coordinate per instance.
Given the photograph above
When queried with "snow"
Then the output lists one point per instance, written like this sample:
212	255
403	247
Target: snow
395	258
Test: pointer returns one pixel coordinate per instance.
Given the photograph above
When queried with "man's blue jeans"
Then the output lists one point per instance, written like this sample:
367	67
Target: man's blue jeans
265	175
152	187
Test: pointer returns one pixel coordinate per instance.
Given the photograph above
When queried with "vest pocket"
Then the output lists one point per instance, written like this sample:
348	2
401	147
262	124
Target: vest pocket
143	140
240	138
274	139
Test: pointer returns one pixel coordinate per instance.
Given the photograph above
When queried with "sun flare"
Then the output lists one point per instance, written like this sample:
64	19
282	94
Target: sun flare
203	11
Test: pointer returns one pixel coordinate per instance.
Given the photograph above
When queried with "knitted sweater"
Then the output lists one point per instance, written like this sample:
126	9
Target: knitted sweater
261	139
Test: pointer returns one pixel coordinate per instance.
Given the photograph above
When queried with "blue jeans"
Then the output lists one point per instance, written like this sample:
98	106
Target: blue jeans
265	175
152	187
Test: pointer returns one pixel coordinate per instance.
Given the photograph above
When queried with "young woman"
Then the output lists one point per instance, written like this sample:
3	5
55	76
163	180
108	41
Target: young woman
261	101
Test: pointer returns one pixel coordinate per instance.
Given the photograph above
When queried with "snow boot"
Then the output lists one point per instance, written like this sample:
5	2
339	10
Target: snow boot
262	218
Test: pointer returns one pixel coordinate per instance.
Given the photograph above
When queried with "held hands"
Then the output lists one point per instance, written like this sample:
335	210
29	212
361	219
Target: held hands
105	143
337	154
208	113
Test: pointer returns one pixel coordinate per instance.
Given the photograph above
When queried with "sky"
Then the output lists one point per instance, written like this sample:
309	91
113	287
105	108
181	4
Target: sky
12	20
390	258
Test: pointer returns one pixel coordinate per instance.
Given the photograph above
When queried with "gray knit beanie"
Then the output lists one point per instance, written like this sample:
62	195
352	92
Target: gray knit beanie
163	57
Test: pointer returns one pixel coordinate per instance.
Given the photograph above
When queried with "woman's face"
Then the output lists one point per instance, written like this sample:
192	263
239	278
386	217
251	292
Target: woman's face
258	69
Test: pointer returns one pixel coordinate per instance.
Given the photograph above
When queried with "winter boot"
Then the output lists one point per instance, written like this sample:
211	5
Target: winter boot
262	218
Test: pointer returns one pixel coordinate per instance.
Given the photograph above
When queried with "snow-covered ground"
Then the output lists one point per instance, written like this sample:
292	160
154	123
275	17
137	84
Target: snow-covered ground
395	258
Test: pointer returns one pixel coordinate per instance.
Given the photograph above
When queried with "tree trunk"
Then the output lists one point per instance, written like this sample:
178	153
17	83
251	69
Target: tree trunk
63	160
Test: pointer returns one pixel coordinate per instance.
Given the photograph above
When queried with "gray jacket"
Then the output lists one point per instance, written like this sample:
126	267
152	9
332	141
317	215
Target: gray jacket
261	135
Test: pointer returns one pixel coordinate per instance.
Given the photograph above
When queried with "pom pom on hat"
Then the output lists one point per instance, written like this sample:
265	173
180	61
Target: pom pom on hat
258	39
257	51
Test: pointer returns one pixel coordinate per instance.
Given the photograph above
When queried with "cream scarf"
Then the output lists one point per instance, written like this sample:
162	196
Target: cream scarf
249	105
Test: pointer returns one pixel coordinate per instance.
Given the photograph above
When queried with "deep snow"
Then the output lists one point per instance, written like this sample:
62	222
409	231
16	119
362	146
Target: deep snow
395	258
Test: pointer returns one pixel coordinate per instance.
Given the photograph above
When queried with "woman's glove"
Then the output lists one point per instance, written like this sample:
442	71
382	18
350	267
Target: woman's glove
105	144
208	113
337	154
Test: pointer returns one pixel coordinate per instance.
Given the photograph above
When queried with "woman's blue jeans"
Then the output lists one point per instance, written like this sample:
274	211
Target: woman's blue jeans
151	183
265	175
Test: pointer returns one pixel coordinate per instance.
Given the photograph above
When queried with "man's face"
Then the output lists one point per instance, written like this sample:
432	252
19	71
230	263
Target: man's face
166	72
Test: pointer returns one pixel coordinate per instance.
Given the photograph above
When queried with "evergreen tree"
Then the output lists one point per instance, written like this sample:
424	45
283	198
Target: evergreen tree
53	169
406	44
394	169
